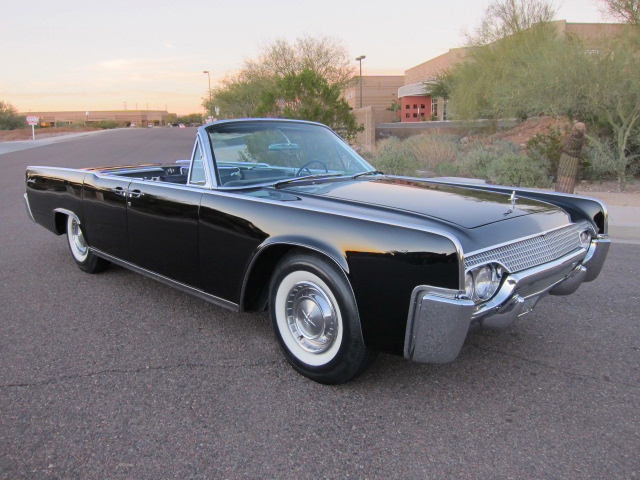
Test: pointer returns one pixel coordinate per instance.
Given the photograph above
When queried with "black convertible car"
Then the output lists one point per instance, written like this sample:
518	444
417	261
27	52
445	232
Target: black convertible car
284	215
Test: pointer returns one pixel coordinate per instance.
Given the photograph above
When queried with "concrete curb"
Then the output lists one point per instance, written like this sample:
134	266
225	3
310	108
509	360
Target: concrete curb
17	145
624	224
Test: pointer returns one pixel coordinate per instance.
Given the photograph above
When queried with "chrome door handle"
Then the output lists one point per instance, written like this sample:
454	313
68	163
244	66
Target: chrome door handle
119	191
135	193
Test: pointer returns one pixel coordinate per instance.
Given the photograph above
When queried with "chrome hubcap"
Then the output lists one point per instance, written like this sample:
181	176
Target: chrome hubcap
77	239
311	317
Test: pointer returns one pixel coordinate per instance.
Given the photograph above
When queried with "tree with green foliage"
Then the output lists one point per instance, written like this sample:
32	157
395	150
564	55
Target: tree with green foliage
9	118
440	85
191	118
309	96
536	71
239	96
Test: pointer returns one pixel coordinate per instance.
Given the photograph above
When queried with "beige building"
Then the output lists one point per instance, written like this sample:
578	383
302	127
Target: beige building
138	117
377	91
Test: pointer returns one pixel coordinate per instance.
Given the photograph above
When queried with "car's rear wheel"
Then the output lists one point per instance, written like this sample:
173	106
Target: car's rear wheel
85	259
315	319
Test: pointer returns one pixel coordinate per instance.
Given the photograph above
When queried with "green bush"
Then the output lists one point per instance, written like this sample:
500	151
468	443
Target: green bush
546	147
105	124
600	159
9	118
445	169
395	157
501	163
431	149
518	170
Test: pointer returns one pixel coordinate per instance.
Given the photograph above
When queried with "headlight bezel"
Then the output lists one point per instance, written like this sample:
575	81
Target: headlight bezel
483	281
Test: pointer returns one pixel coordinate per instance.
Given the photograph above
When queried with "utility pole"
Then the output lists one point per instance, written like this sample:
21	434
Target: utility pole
209	77
359	59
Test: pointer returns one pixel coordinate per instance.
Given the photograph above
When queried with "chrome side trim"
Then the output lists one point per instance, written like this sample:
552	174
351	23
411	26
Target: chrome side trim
64	169
26	204
230	194
168	281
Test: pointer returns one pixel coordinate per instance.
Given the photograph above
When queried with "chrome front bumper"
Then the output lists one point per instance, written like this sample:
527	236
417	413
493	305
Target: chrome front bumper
28	207
439	318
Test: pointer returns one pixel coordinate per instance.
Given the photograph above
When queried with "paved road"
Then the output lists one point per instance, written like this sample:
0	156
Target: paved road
117	376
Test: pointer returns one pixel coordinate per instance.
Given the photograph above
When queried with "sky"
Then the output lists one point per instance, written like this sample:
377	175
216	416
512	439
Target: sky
79	55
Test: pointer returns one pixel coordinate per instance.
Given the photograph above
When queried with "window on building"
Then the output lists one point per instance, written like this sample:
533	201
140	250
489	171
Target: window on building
422	105
415	115
406	106
415	105
434	106
444	109
407	115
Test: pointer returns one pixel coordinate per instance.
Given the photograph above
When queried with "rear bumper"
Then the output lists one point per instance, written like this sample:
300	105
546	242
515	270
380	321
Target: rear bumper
439	318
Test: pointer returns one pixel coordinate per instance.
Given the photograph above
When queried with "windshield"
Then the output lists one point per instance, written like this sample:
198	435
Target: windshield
250	153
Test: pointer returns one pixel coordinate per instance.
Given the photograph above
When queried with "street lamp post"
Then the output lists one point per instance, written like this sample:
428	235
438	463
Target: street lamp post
209	77
359	59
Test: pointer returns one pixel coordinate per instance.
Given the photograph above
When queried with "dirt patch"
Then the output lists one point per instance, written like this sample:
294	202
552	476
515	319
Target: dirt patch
25	133
524	131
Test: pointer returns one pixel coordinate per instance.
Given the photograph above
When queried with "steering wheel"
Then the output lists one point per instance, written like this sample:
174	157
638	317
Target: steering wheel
311	162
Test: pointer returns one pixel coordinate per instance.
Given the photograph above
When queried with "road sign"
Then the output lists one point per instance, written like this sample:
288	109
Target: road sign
33	121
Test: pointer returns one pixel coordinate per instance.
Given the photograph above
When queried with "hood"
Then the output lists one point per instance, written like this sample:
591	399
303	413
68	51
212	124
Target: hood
466	207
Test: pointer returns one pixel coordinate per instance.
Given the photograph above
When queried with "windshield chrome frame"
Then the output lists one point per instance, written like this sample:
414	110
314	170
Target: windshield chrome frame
203	133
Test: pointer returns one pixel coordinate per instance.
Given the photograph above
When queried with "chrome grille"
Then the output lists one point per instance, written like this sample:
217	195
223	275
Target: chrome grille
531	252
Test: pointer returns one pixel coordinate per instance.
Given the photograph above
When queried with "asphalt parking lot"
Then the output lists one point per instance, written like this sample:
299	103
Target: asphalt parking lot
117	376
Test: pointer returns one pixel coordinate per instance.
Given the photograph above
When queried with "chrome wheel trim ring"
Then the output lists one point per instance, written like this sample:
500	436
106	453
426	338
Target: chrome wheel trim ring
79	247
311	317
327	350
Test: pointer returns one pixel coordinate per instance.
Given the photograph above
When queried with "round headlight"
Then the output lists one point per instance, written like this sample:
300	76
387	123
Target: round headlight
468	285
483	280
585	238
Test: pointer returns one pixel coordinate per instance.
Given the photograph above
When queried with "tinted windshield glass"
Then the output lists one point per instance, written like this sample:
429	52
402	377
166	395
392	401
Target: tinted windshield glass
252	153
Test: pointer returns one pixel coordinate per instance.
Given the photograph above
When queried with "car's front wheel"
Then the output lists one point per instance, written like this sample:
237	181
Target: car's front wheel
315	319
86	260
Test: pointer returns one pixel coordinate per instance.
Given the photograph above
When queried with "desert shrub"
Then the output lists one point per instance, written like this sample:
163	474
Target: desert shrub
600	159
9	118
502	163
105	124
446	169
518	170
395	157
431	149
546	147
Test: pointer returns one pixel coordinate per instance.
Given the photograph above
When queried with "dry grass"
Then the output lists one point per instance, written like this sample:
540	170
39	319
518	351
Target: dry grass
25	133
